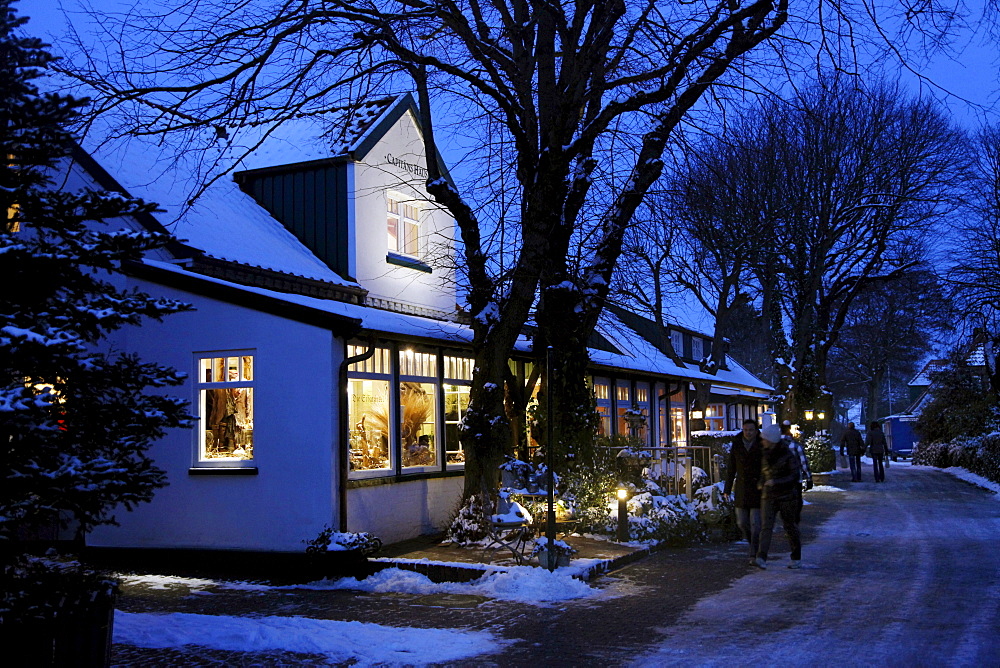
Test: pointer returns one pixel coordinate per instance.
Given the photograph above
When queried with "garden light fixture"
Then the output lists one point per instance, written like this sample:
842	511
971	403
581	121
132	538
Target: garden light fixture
623	493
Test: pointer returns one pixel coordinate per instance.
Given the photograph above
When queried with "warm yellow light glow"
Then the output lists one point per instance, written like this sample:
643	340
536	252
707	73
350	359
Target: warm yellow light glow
697	415
821	415
809	415
622	494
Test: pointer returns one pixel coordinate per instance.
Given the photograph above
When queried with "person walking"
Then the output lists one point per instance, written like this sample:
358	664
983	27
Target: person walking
852	442
742	478
780	495
877	447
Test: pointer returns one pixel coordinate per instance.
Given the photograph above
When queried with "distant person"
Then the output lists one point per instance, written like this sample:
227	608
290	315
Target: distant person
744	467
781	493
852	442
877	448
805	474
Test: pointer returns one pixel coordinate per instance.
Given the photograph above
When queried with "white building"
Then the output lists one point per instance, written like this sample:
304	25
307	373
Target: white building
316	251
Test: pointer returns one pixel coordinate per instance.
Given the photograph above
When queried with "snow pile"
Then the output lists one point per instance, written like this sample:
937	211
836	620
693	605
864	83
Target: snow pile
520	583
195	585
975	479
358	643
825	488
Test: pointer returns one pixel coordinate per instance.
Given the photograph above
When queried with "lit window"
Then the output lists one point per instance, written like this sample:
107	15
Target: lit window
418	408
368	409
456	404
13	218
413	363
602	395
225	398
416	423
715	417
403	226
601	389
368	413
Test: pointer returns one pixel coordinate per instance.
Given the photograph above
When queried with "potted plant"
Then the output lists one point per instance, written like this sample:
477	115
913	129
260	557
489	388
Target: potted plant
55	611
340	552
560	552
514	473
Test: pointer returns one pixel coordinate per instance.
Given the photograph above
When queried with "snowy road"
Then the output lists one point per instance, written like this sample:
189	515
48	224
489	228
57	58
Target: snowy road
907	573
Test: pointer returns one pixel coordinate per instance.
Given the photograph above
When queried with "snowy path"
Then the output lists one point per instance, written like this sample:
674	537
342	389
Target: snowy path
906	574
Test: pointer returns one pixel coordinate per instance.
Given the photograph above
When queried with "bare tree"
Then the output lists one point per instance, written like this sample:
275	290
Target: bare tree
820	197
554	84
890	327
974	261
867	173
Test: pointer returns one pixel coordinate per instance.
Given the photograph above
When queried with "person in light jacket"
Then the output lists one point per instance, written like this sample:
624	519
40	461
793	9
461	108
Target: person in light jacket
852	442
877	448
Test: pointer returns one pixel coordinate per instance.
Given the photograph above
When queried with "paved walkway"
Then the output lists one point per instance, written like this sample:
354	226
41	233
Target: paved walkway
903	574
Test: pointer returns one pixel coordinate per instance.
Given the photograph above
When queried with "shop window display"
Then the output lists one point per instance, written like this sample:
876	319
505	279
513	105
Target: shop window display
226	407
416	422
368	412
456	404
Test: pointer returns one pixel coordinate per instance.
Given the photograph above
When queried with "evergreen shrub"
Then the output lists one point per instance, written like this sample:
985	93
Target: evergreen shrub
820	454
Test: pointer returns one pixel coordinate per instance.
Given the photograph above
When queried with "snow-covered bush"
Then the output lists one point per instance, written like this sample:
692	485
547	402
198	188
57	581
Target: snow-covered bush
820	454
50	588
979	454
711	506
329	540
931	454
470	522
669	519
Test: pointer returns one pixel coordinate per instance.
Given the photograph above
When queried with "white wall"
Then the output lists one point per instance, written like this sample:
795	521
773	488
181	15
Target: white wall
294	434
372	179
401	510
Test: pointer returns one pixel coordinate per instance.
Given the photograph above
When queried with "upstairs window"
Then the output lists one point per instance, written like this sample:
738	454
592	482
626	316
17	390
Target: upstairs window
697	348
677	341
403	225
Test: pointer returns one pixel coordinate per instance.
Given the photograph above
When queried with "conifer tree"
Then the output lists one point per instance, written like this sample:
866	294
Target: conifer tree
76	418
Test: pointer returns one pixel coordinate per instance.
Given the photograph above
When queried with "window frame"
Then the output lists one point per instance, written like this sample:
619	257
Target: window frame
381	368
402	221
198	462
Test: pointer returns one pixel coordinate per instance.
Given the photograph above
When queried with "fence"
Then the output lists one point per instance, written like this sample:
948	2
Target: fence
673	468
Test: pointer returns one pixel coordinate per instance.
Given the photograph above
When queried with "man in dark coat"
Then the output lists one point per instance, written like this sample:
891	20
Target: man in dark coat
877	448
780	493
855	446
744	467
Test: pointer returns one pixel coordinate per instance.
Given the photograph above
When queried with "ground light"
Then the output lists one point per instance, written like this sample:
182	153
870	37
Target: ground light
623	515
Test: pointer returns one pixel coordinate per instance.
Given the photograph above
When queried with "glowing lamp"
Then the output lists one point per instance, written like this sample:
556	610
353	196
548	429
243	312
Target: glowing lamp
697	415
809	415
623	515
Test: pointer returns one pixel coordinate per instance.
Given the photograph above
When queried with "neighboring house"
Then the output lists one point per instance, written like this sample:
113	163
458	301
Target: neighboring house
328	366
899	426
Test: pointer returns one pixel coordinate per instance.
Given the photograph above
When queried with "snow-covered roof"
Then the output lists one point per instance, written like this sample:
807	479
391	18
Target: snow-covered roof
923	376
223	222
318	137
636	353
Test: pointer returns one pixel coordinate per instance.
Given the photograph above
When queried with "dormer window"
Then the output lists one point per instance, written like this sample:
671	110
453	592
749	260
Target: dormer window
697	348
677	341
403	225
